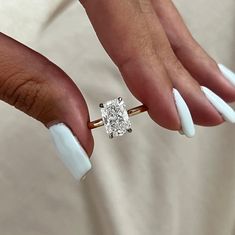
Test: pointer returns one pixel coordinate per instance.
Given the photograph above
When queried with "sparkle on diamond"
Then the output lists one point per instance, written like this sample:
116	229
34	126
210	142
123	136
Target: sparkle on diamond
115	117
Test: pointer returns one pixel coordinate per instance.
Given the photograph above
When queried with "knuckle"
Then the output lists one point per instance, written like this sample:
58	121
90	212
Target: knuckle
23	91
25	95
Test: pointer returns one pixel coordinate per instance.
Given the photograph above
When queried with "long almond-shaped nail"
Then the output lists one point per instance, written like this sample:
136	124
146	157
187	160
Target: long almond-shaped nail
184	115
228	74
220	105
70	150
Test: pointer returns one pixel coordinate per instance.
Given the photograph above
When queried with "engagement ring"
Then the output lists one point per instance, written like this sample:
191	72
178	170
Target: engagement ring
115	117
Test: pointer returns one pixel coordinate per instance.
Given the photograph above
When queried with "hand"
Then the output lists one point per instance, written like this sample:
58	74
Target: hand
155	52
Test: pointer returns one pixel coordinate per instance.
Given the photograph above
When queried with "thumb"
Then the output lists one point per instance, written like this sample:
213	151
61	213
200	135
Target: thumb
36	86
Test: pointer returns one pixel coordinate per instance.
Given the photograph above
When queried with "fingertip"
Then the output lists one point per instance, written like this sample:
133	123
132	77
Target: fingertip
70	150
220	105
164	112
184	114
228	74
202	112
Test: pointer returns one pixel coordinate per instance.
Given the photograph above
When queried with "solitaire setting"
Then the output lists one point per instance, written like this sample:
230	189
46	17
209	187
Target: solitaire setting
115	117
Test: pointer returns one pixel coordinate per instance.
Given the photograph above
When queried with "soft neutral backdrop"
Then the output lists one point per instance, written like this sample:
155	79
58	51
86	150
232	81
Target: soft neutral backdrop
152	181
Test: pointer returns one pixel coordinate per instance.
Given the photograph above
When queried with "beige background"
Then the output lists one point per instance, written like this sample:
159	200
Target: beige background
150	182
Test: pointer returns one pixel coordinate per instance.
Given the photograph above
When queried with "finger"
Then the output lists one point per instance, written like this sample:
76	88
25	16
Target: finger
201	109
121	28
200	65
39	88
226	111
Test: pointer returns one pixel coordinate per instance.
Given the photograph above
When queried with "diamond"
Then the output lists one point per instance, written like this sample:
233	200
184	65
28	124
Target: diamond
115	117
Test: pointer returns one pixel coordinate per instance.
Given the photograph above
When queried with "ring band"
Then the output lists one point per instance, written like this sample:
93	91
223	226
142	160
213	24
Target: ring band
131	112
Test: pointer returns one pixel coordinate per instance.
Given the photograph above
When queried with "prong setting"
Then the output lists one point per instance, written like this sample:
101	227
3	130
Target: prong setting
120	99
101	105
129	130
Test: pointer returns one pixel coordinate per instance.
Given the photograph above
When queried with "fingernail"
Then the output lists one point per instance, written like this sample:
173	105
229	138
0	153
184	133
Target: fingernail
228	74
70	150
220	105
184	114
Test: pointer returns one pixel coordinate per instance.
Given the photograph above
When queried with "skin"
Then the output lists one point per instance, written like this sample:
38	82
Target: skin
154	51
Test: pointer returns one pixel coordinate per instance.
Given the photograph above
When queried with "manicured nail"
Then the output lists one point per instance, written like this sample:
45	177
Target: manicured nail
220	105
228	74
184	114
70	150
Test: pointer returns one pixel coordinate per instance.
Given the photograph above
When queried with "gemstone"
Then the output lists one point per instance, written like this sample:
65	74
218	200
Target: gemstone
115	117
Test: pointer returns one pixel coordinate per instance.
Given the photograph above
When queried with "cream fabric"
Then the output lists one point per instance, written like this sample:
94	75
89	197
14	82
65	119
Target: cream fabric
150	182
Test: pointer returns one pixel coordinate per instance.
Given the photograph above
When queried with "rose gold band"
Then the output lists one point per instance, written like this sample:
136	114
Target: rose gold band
131	112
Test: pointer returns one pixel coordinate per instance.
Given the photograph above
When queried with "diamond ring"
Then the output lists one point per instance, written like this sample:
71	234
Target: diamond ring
115	117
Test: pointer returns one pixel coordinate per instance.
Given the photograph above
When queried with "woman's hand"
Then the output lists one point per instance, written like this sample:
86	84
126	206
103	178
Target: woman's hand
154	52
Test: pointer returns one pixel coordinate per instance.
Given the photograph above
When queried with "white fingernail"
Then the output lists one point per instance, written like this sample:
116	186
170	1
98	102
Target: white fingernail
70	151
220	105
227	73
184	114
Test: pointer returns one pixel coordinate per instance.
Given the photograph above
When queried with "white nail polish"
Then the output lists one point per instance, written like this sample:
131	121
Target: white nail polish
227	73
184	114
220	105
70	151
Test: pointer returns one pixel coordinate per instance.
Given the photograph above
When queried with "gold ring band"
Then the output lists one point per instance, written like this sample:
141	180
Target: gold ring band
131	112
